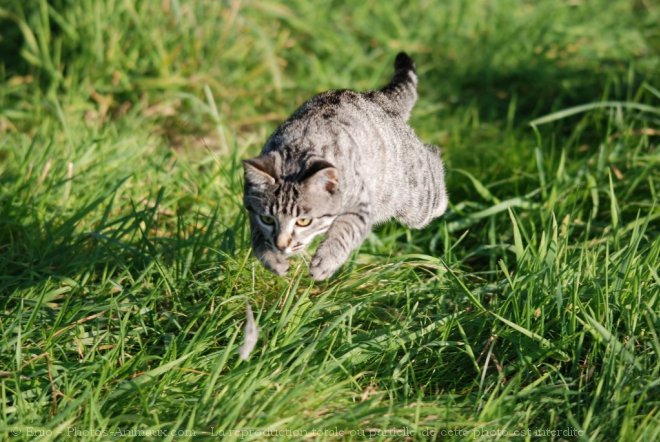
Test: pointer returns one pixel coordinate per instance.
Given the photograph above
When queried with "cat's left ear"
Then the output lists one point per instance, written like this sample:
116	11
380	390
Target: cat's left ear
322	175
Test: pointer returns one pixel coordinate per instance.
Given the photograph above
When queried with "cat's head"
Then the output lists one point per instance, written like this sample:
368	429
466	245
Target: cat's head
290	211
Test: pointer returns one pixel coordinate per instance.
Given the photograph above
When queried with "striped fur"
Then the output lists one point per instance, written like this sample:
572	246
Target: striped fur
344	161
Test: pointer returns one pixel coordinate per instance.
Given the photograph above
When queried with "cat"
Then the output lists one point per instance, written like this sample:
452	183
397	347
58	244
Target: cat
342	163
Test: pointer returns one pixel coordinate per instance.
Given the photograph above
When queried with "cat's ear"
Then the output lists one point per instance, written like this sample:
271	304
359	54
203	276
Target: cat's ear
260	171
321	175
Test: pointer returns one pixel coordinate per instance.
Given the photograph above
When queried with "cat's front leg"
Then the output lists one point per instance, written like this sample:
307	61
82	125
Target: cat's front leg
346	234
273	261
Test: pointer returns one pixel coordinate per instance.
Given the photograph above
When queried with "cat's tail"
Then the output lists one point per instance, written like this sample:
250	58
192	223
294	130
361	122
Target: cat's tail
402	89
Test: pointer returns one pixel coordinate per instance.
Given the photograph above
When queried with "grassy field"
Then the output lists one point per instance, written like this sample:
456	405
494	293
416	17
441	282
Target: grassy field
530	311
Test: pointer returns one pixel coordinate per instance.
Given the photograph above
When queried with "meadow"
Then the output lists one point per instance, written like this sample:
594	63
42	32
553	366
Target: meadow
530	311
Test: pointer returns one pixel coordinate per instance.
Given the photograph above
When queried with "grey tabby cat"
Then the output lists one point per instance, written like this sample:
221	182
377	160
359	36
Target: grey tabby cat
342	163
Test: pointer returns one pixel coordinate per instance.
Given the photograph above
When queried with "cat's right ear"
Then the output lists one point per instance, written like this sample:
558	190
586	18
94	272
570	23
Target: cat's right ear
321	175
259	171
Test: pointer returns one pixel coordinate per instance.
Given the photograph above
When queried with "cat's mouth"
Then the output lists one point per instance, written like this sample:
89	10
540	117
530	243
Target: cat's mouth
291	250
297	248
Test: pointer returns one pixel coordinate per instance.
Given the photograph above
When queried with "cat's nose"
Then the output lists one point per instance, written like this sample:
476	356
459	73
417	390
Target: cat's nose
282	242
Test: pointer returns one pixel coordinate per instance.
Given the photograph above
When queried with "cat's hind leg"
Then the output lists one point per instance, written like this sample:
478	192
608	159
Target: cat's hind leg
418	213
427	194
413	218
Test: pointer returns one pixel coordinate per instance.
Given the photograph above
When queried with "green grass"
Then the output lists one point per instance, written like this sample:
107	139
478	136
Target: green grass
531	306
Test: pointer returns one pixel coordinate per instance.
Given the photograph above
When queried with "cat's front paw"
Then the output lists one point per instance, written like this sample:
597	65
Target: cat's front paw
323	265
275	263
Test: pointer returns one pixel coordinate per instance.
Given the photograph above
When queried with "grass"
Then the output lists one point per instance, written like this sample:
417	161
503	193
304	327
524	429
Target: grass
530	311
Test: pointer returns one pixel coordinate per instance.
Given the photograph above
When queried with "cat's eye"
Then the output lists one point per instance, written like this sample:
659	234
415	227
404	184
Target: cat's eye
303	222
266	219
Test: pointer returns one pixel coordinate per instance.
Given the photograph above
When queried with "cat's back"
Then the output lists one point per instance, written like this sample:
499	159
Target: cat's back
351	130
339	123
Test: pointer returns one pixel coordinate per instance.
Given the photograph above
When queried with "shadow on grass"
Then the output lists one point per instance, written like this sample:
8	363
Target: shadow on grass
530	90
35	250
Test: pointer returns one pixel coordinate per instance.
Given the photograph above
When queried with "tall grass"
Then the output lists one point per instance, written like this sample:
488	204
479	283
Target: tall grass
529	311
